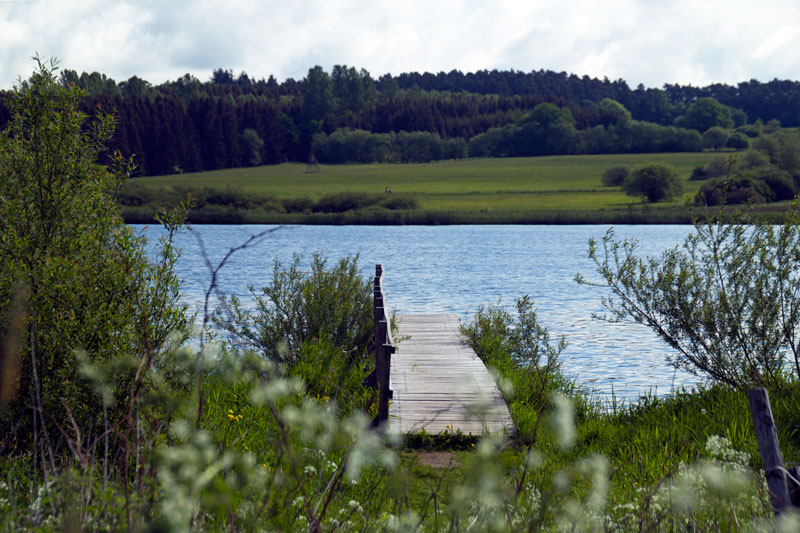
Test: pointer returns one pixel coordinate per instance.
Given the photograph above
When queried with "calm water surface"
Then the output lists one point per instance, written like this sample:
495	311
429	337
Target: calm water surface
456	269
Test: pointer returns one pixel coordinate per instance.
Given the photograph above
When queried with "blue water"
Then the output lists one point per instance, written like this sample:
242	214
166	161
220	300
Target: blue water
456	269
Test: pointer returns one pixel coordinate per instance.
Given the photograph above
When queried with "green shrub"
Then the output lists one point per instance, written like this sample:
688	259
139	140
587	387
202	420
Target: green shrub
399	201
614	176
345	201
654	182
738	141
781	185
717	167
229	197
217	214
753	159
73	277
733	191
698	173
518	348
300	204
331	304
750	130
715	138
720	166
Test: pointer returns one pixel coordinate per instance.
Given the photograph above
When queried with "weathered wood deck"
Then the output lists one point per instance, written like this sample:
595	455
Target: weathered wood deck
438	382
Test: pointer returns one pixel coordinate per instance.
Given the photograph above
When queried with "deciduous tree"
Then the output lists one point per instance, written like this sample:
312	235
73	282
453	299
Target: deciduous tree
706	113
727	300
72	275
654	181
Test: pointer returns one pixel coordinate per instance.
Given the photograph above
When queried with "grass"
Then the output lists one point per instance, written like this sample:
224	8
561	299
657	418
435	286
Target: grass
646	445
552	189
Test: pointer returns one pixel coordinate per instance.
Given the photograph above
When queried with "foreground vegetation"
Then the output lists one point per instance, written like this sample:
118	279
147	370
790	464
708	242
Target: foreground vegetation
111	422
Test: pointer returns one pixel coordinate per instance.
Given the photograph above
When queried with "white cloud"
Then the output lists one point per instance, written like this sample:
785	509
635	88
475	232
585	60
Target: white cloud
641	41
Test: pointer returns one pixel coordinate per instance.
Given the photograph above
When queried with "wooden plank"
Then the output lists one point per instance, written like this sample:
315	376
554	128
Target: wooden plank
439	383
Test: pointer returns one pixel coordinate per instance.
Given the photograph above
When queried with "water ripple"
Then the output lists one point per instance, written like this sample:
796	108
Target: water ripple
456	269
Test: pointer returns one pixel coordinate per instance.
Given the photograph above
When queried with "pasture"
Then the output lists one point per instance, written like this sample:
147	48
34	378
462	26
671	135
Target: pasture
560	189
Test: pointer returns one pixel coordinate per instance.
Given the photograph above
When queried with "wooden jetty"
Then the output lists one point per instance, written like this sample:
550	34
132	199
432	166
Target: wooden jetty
433	380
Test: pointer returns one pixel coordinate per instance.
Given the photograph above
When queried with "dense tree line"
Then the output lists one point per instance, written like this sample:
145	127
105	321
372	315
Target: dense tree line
235	120
359	146
776	99
768	172
548	129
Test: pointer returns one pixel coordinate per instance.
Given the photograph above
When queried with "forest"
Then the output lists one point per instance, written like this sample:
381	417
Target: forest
346	115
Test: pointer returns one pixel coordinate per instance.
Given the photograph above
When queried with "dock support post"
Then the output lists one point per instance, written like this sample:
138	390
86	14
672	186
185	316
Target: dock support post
384	348
767	434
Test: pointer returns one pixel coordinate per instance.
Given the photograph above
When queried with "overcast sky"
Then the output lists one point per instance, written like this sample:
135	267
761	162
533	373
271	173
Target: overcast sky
641	41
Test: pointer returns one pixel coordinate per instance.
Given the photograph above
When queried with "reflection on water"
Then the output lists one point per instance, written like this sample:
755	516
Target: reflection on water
458	268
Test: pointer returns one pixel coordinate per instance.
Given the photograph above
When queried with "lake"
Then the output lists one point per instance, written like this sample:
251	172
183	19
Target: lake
456	269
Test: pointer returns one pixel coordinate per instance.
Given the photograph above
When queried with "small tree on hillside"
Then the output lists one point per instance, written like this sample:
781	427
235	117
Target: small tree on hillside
715	138
654	181
738	141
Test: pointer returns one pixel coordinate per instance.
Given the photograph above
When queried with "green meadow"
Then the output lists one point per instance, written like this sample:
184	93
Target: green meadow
503	190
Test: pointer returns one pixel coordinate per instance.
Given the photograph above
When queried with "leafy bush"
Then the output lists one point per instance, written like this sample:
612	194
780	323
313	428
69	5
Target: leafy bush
72	275
399	201
715	138
300	204
698	173
207	200
753	159
733	191
229	197
781	185
654	181
135	195
738	141
518	348
720	166
331	304
750	130
717	167
345	201
614	176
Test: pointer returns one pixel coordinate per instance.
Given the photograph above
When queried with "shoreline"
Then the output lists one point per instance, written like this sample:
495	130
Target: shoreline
384	217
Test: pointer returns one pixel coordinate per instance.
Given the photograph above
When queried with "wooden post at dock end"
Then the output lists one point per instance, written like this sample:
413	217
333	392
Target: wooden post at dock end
384	348
767	434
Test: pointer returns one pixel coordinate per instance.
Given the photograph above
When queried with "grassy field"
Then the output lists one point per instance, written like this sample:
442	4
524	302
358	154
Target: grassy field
507	190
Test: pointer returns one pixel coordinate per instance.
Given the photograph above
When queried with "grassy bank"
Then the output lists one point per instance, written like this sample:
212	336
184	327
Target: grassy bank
537	190
646	456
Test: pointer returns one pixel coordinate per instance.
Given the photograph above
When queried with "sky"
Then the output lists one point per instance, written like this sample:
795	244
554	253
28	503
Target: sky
651	42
